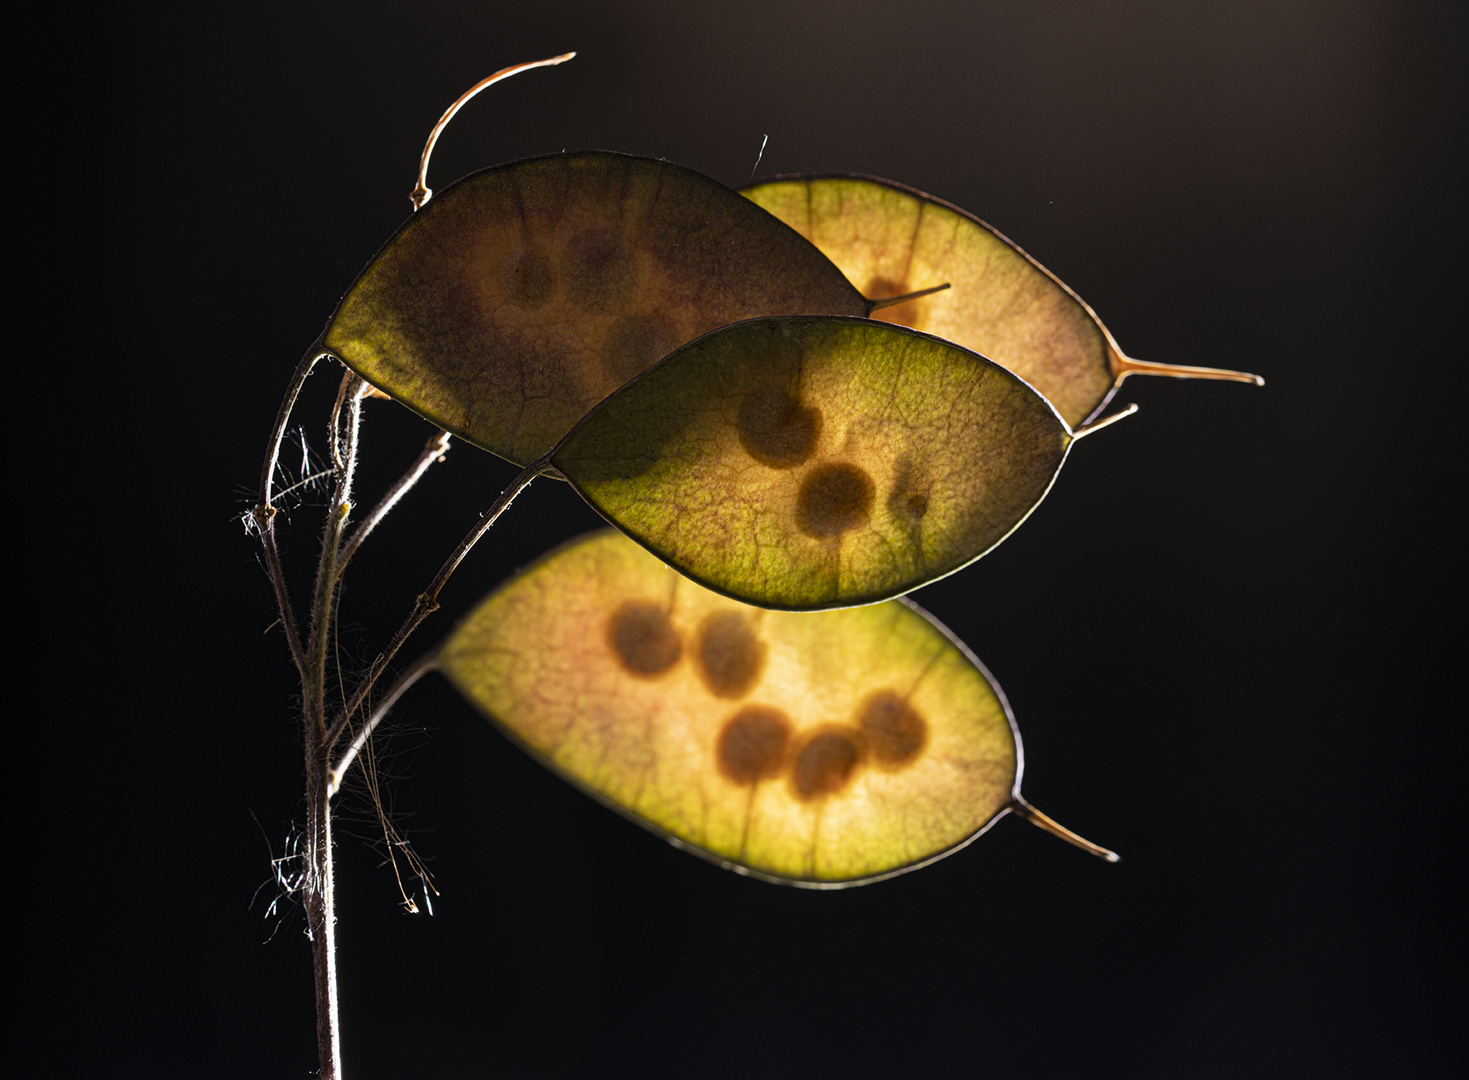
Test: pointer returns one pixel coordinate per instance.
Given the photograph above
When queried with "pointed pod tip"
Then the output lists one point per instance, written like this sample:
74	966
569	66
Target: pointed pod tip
421	190
1023	809
1104	421
1123	366
902	298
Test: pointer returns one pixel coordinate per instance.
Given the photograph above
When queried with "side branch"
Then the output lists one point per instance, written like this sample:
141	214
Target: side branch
417	670
434	450
344	442
264	512
283	417
428	600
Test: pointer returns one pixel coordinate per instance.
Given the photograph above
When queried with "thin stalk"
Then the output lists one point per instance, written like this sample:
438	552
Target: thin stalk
417	670
283	417
344	453
320	888
1104	422
428	600
1022	809
264	512
903	298
434	450
1123	366
421	192
320	900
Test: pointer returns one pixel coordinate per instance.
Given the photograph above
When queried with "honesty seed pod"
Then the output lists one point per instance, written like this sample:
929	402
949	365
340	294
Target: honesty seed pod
889	239
816	749
806	463
525	293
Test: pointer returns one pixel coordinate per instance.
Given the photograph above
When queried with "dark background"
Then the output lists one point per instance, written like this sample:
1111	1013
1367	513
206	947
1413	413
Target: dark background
1223	632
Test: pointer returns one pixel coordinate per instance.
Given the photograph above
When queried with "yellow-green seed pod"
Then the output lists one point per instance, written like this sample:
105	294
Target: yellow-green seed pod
806	463
891	240
820	749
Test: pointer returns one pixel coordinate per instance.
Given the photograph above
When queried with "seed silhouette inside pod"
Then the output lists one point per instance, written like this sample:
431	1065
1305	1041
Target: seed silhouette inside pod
873	460
867	741
522	295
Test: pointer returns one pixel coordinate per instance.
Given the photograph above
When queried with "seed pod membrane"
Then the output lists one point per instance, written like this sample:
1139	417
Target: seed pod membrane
806	463
522	295
855	744
890	240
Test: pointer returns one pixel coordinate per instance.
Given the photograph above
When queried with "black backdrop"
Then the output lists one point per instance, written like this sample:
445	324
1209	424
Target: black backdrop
1221	632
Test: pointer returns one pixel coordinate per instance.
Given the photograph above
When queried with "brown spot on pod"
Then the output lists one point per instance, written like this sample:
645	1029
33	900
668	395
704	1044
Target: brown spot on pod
752	744
643	639
776	429
834	499
826	762
731	657
600	270
896	732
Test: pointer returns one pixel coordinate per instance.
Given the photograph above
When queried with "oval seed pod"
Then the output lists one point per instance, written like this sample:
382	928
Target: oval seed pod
522	295
821	749
806	463
890	240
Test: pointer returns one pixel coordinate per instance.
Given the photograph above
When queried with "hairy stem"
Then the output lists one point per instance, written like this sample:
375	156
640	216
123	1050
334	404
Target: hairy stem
415	671
344	453
320	890
320	899
264	512
434	450
283	417
428	600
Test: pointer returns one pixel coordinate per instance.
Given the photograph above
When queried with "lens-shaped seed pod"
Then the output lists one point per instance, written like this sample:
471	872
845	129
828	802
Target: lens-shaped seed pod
818	749
522	295
891	240
807	463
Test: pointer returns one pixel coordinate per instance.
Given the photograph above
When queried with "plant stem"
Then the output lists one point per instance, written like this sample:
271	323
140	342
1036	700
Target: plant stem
264	512
420	667
320	898
434	450
310	657
320	886
428	600
283	417
344	453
